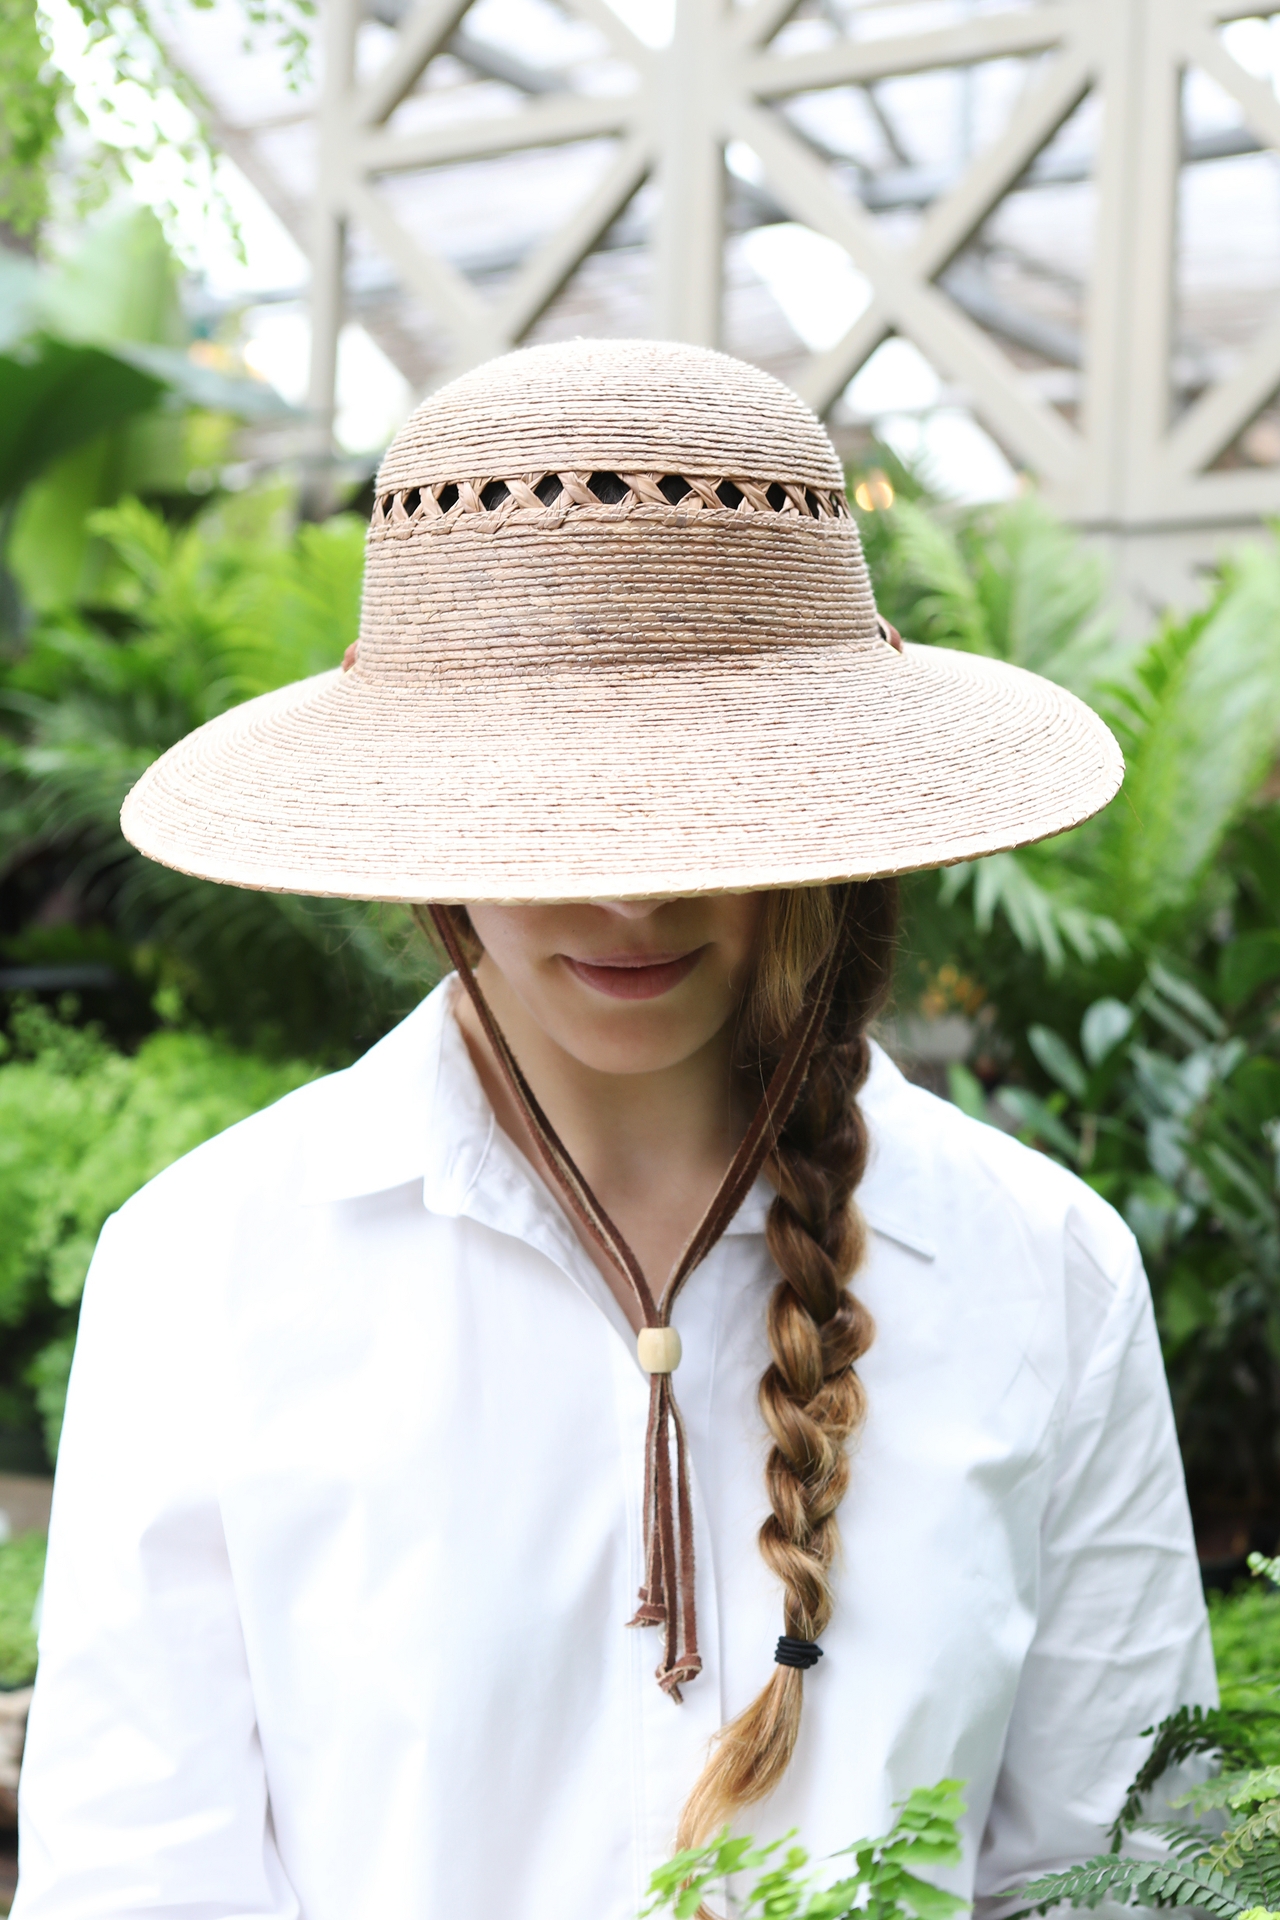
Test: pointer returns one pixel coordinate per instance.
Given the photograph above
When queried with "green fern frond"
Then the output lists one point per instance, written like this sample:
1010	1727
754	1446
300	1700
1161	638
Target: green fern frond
949	611
1258	1878
1249	1789
1262	1827
1199	725
1180	1839
1044	596
1189	1730
1141	1883
882	1886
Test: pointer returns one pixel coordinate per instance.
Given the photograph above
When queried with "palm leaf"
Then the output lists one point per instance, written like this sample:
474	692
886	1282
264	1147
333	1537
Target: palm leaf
1045	918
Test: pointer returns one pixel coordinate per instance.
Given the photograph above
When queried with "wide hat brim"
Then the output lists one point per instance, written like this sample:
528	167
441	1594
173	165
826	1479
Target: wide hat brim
638	782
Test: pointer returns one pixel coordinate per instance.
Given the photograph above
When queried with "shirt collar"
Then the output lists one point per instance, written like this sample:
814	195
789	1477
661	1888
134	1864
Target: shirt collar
894	1193
413	1109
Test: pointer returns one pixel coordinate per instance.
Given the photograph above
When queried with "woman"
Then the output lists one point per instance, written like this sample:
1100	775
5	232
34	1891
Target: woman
620	1403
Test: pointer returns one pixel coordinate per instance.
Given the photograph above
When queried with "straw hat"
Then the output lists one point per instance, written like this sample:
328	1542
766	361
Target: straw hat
618	639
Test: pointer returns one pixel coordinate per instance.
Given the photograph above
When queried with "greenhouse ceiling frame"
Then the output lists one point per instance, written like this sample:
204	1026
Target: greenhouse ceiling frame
1124	467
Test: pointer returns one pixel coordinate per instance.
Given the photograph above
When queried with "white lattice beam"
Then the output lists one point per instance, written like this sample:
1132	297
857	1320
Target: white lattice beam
551	123
441	288
541	277
688	148
1122	464
1255	98
992	36
1215	419
955	216
1030	428
627	45
420	37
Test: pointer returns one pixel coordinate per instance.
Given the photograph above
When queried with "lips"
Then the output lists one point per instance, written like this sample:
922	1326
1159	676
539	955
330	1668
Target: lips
634	976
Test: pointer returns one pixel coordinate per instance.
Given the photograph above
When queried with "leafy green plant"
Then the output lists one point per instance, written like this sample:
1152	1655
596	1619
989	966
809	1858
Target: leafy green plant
886	1881
1246	1643
190	621
21	1573
1197	713
1008	581
99	398
1230	1870
1123	980
34	91
1169	1105
130	46
81	1128
1191	1881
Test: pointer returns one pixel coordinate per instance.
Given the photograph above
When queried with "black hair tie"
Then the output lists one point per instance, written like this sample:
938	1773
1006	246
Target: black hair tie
797	1653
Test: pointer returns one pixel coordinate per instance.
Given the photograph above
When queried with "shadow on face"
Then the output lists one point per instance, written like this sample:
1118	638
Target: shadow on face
635	986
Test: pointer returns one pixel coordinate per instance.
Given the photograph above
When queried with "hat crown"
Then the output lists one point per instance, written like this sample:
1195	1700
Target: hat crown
641	406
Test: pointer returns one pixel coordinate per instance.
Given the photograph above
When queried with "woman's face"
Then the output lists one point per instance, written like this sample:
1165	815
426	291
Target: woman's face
630	986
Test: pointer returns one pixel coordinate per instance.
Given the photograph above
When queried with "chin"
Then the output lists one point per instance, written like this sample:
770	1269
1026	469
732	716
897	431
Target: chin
628	1052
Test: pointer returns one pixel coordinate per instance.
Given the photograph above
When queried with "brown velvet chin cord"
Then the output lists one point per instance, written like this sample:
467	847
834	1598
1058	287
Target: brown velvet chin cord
667	1598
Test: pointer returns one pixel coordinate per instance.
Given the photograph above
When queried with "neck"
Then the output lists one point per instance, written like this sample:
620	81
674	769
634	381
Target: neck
653	1147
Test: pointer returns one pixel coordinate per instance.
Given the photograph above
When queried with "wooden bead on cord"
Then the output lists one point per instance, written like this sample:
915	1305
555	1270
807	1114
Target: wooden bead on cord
658	1349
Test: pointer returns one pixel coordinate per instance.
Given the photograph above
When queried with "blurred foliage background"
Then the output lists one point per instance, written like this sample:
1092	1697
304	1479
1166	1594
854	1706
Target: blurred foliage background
142	1011
1112	996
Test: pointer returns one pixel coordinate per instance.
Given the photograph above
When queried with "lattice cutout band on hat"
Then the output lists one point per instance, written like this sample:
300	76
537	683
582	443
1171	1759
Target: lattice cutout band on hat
548	499
576	697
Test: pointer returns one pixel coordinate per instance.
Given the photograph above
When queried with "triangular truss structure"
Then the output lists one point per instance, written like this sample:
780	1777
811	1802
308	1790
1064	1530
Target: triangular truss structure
1130	453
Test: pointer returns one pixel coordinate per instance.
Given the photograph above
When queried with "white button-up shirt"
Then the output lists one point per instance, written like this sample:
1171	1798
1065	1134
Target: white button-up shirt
347	1526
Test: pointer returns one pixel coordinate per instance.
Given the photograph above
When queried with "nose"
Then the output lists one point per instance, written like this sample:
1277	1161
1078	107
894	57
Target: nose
629	909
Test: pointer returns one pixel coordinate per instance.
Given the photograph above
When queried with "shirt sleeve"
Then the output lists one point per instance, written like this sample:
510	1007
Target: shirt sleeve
143	1788
1122	1635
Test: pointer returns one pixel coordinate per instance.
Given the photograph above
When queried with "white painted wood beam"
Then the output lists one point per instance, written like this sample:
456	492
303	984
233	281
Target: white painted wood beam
328	253
542	276
827	374
991	36
1143	319
1215	419
1241	495
1255	98
421	36
688	154
1125	467
952	220
626	44
550	123
1223	11
759	22
1028	427
442	289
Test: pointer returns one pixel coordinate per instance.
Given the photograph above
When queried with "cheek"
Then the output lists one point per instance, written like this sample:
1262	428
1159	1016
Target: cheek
514	939
736	934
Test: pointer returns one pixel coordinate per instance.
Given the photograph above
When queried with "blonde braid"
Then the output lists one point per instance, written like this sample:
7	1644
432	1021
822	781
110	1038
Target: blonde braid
810	1395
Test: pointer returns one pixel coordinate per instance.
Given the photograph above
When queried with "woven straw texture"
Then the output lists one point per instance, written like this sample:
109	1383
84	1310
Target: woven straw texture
618	639
605	404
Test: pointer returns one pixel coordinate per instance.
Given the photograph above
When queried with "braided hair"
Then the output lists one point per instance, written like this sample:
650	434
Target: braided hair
810	1395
